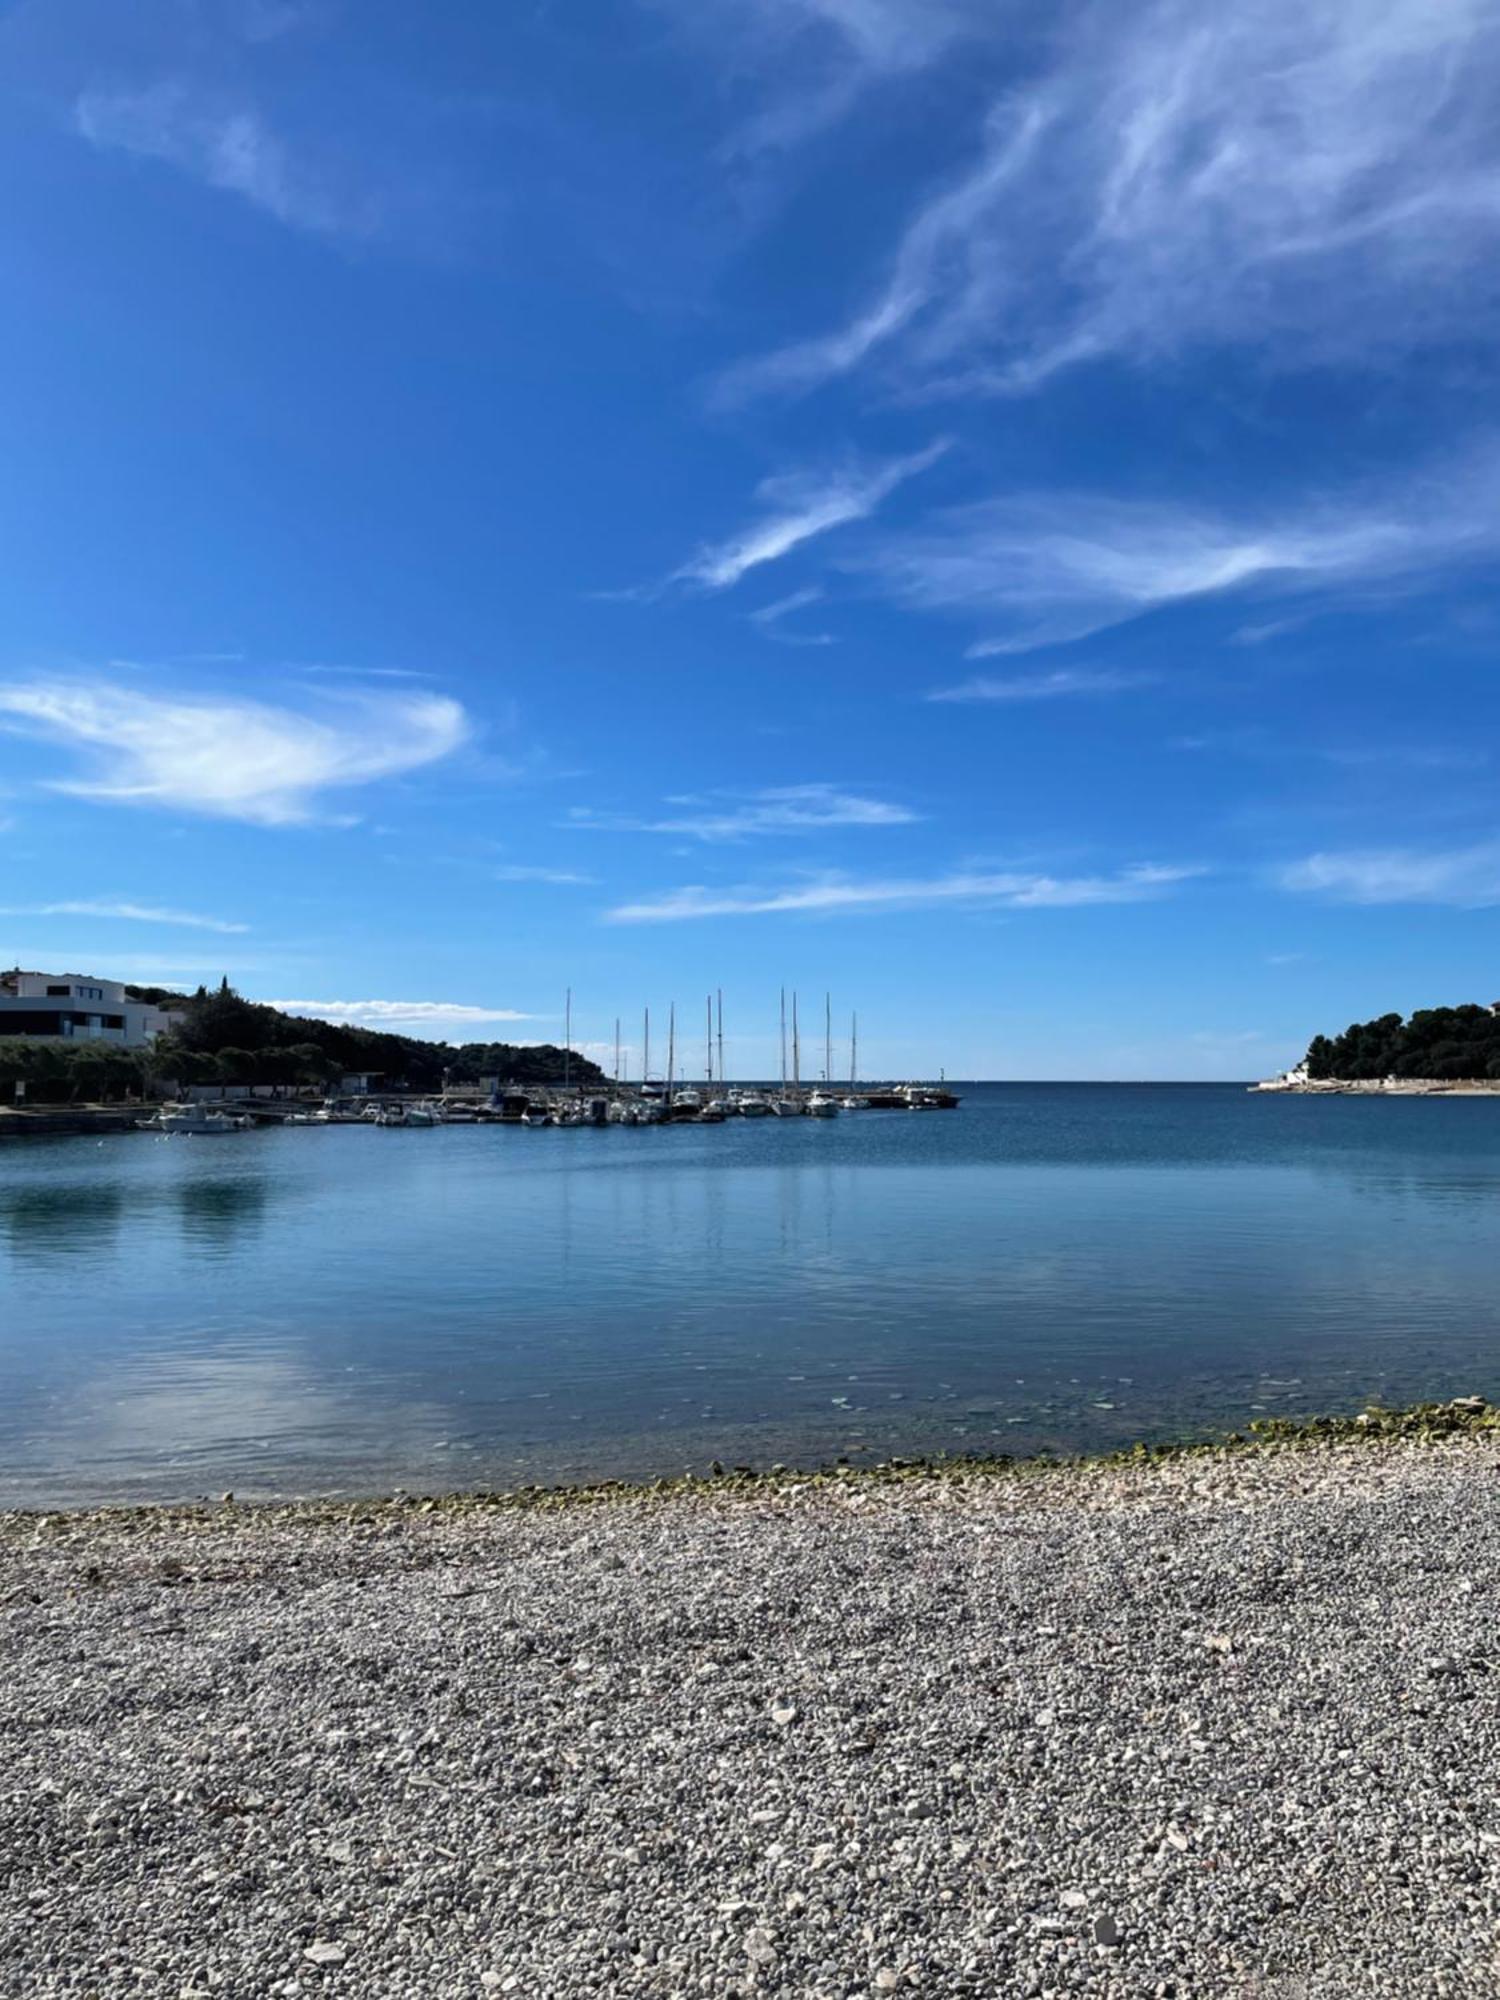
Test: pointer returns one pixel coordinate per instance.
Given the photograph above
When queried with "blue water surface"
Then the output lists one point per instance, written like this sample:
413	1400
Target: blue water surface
1052	1266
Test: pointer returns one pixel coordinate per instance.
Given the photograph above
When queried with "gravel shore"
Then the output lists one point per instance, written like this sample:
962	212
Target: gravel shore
1221	1725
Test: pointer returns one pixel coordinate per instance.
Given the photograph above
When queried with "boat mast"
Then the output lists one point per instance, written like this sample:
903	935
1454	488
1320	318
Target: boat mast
646	1052
708	1046
721	1037
783	1041
828	1041
617	1048
796	1051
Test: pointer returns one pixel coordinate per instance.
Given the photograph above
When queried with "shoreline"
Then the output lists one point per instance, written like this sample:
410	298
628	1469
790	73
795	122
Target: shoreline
1206	1719
1468	1416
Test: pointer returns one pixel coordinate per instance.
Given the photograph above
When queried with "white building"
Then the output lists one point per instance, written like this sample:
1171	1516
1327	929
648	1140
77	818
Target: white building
76	1007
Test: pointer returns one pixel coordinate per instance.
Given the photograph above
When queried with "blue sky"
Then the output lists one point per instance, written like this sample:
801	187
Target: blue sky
986	510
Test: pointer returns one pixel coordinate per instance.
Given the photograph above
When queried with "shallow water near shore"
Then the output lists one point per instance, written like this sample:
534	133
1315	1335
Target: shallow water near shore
1052	1267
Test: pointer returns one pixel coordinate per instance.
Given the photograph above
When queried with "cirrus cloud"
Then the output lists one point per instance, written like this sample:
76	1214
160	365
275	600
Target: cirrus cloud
831	893
225	756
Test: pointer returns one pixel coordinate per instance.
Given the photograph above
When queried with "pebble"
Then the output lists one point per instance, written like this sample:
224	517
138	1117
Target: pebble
1020	1764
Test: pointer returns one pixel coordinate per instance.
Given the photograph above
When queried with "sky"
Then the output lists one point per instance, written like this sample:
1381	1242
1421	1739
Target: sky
981	510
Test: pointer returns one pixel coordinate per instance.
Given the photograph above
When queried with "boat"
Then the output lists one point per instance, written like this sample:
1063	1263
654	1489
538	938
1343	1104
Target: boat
194	1121
421	1114
750	1104
853	1101
721	1107
821	1105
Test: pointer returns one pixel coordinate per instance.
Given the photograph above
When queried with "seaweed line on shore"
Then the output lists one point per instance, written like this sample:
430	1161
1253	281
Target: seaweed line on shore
1421	1423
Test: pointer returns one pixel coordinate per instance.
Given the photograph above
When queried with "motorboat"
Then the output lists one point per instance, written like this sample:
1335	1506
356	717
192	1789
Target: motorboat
750	1104
785	1107
421	1114
821	1105
855	1103
193	1121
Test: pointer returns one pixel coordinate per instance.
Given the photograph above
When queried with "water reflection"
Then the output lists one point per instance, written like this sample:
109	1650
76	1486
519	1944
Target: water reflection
1049	1267
61	1221
216	1214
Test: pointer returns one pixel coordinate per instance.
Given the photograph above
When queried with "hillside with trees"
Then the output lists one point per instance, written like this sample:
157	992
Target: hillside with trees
1437	1044
219	1037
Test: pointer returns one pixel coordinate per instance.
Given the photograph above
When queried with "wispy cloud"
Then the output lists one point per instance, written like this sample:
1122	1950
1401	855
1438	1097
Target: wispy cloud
234	759
228	147
1312	179
800	506
1059	566
814	58
784	809
396	1014
769	619
842	892
1467	877
140	913
1060	684
557	877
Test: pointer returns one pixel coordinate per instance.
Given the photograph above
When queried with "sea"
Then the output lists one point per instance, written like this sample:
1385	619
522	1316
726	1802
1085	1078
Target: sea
1049	1268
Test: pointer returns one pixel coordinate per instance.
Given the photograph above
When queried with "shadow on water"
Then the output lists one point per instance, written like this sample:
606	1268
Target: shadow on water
218	1215
48	1223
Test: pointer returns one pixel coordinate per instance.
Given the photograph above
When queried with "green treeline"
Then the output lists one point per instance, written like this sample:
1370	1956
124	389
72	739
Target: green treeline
217	1037
1448	1044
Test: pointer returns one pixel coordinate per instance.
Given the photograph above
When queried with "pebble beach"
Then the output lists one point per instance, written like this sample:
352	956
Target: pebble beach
1219	1724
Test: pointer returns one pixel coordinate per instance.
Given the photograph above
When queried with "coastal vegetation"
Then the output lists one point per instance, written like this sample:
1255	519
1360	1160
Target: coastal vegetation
217	1037
1441	1044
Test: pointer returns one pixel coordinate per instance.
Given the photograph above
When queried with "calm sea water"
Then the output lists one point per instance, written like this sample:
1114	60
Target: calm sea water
1052	1266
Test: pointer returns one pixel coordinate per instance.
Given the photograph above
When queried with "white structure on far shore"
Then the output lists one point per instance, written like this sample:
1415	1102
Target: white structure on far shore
76	1007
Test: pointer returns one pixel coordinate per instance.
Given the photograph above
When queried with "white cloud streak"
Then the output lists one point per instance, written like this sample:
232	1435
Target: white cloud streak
834	893
139	913
1315	179
398	1014
786	809
1059	566
230	758
555	877
227	147
1062	683
802	505
1464	877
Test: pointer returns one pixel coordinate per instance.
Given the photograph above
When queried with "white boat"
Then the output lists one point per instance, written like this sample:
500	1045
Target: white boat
721	1107
619	1113
193	1121
820	1105
570	1117
750	1104
785	1107
855	1103
421	1114
687	1100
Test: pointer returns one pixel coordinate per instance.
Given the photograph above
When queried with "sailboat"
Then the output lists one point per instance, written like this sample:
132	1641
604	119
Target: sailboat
854	1102
821	1104
784	1106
